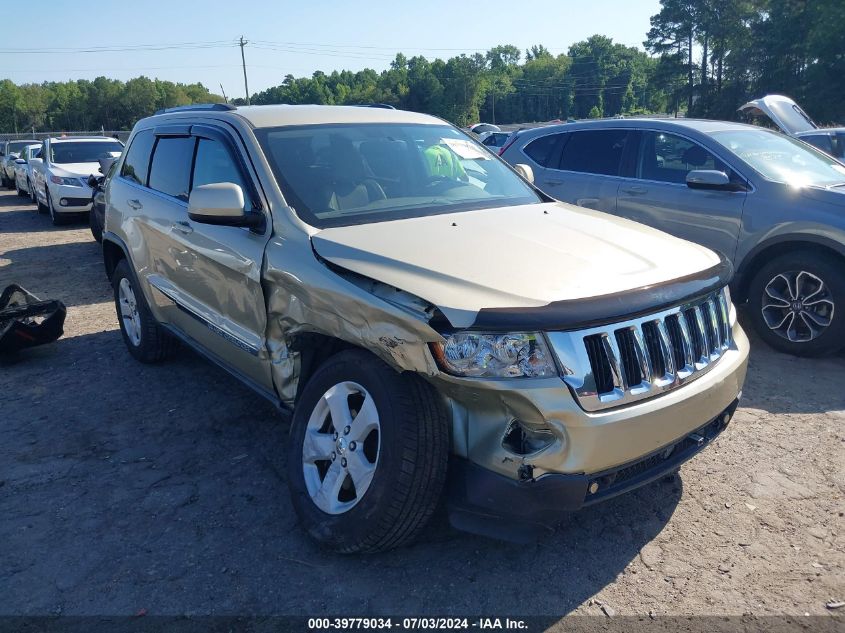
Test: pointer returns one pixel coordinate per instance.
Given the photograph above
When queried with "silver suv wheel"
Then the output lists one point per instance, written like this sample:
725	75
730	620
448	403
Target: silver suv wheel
798	306
341	447
129	311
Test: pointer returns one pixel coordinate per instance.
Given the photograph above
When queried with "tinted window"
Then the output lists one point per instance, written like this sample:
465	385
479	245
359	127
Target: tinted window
214	163
83	151
541	150
594	152
137	162
669	158
170	171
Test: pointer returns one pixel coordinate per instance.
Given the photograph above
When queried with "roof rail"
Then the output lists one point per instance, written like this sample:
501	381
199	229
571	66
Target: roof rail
217	107
386	106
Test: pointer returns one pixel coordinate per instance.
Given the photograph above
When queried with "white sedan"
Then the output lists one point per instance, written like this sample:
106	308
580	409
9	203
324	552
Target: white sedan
61	178
23	170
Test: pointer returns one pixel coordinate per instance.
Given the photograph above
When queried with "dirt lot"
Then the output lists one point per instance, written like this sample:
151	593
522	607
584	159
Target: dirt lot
126	487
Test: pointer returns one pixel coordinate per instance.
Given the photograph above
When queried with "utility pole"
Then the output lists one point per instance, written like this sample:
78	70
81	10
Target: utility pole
243	61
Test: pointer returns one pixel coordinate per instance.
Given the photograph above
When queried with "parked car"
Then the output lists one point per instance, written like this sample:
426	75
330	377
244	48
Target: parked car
480	128
97	215
23	170
9	153
342	262
792	120
495	141
770	204
61	178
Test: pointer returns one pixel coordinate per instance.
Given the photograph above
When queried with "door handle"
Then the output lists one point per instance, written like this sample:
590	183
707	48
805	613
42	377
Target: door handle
554	183
182	227
635	190
135	204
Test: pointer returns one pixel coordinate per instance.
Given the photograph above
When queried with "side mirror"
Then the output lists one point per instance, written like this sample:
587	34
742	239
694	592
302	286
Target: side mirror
221	203
20	161
525	171
105	164
712	179
93	181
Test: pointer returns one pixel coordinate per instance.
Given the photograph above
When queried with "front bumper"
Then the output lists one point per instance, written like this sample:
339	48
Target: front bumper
583	447
484	502
68	199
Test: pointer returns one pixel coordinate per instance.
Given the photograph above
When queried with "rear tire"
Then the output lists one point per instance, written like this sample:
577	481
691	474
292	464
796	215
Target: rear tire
797	304
400	466
145	339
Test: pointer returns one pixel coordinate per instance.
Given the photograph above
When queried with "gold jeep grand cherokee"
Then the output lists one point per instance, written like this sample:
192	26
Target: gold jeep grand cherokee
435	323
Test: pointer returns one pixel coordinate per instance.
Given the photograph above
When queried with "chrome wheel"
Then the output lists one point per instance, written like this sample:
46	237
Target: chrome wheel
341	447
797	306
129	316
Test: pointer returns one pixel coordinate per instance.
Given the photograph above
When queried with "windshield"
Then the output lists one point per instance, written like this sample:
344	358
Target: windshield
783	159
17	146
83	151
338	175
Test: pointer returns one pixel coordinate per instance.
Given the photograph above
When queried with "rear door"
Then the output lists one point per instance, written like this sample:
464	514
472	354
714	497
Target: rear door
657	193
588	167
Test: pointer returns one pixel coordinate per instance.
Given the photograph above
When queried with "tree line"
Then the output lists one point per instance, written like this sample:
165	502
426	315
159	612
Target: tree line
701	58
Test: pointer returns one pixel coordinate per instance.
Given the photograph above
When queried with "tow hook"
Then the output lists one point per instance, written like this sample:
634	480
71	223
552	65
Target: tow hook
698	439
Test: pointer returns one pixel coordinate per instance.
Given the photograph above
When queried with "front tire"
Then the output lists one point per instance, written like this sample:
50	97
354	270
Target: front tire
96	227
367	454
145	339
55	217
797	304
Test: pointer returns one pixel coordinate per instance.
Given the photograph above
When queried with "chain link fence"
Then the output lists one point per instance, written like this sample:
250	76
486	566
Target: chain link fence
118	134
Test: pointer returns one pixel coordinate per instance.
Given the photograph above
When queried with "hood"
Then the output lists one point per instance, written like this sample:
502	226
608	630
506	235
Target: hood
75	170
511	257
782	111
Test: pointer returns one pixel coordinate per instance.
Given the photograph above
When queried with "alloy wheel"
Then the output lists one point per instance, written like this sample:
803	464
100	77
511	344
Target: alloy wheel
129	312
797	306
341	447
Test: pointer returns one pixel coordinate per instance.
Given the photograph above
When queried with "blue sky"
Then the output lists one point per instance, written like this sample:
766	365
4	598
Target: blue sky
293	37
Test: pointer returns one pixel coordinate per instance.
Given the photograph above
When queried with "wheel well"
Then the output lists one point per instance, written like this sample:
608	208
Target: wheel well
776	250
315	349
112	254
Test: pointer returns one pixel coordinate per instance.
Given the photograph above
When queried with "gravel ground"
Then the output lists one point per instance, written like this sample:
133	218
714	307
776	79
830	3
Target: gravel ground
126	487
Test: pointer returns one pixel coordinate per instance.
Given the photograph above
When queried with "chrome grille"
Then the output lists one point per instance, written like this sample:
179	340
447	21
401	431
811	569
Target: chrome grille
616	364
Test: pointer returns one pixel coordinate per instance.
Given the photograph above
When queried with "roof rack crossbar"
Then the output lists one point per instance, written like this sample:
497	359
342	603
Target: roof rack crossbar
217	107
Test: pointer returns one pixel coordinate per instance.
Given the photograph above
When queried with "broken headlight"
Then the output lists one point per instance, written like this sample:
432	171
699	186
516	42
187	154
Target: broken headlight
479	355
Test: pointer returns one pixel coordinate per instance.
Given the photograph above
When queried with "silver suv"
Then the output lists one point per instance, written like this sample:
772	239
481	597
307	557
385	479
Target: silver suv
428	316
772	205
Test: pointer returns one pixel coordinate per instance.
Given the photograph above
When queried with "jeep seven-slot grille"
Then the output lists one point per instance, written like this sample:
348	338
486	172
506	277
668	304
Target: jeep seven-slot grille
623	362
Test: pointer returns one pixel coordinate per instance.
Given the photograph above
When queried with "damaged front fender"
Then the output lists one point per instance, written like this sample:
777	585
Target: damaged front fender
343	306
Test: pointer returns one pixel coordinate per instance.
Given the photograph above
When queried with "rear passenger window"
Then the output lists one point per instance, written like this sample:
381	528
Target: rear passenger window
137	162
214	163
170	171
594	152
540	150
